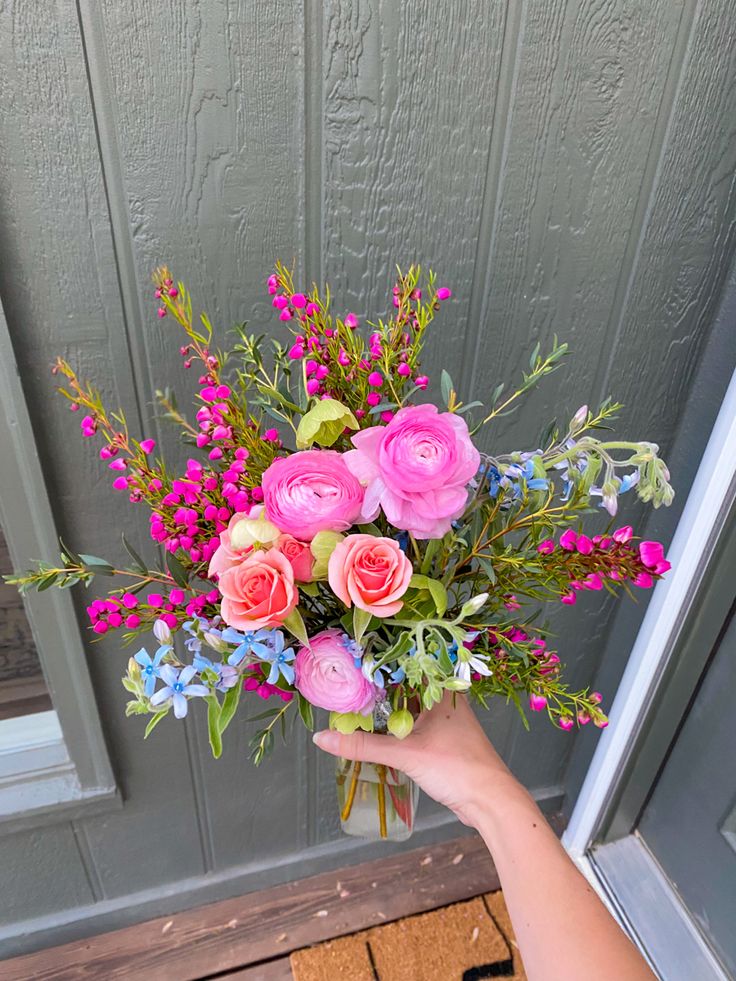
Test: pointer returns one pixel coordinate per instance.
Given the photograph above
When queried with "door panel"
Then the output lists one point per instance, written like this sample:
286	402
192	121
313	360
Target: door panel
689	823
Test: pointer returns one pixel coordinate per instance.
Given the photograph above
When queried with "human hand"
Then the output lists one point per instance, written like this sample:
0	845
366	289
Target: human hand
447	754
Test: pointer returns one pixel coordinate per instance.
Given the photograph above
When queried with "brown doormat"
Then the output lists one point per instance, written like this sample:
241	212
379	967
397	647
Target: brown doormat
468	941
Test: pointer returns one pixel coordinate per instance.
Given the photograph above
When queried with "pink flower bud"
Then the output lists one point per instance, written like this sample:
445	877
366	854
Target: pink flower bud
129	601
280	302
623	535
421	381
568	599
546	547
173	291
286	314
443	293
566	722
161	312
351	321
404	370
595	697
176	596
583	544
373	399
120	483
298	300
537	703
651	553
343	358
148	445
375	379
100	627
296	352
271	435
387	415
311	309
215	454
312	386
322	372
568	540
132	621
643	580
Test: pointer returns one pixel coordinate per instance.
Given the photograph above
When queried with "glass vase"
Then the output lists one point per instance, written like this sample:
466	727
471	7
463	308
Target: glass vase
375	801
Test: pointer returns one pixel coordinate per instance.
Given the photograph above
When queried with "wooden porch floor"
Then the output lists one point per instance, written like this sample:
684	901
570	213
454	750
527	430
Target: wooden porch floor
250	937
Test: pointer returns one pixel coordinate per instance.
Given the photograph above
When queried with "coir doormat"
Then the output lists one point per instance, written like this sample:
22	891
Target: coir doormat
468	941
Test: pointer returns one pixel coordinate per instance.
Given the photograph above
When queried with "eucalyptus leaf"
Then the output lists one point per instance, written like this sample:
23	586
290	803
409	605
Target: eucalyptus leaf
138	564
178	574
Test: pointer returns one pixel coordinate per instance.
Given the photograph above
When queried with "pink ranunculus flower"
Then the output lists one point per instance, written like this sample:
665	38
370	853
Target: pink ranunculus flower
416	468
299	555
259	592
311	491
326	674
371	572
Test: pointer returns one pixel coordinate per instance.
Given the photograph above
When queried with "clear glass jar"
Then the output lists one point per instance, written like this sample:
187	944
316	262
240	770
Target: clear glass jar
375	801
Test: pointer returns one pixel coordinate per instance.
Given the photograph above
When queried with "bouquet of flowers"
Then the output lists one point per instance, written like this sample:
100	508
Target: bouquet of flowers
338	542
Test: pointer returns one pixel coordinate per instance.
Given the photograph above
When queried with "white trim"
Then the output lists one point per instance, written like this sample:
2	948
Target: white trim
695	535
29	732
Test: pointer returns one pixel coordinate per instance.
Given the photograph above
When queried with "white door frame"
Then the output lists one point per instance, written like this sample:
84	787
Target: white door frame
693	544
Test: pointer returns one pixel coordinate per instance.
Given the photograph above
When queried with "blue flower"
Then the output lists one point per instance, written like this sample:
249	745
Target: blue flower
227	676
257	642
177	689
279	660
149	668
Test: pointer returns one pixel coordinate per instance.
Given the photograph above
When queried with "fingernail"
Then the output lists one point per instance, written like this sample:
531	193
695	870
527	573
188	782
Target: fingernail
321	739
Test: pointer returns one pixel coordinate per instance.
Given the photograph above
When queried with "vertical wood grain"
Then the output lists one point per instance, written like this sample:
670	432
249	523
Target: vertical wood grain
409	92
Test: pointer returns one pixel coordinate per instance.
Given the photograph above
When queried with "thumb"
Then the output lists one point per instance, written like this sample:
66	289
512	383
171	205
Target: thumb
364	746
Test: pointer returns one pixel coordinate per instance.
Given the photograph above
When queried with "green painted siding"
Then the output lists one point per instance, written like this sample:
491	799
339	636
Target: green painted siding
565	165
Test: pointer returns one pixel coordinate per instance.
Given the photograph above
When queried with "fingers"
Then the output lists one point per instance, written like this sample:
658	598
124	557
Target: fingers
363	746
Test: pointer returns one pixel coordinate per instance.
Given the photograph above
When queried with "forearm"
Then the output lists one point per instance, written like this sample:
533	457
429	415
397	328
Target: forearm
563	930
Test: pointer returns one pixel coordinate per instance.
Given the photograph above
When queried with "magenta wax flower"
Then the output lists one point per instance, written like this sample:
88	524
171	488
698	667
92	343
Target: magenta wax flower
280	302
566	722
623	535
651	553
416	469
375	379
568	540
537	703
311	491
326	675
421	381
312	386
404	370
546	547
161	312
148	445
286	314
296	352
351	321
443	293
298	300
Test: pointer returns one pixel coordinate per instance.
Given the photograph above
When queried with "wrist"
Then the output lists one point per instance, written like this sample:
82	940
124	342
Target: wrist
499	801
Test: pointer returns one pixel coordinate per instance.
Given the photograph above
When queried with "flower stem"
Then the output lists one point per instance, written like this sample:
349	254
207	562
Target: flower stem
345	814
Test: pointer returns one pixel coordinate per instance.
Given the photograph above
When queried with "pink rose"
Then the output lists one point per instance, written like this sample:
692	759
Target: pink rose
225	556
371	572
326	674
416	468
299	555
311	491
259	592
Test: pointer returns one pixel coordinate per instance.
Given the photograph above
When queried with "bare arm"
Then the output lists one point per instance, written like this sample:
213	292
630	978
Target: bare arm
564	931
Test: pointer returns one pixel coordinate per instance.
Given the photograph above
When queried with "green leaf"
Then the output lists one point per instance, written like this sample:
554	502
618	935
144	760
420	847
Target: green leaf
435	588
446	386
361	619
71	555
534	355
466	408
213	725
46	582
178	574
305	711
154	722
138	563
487	567
295	625
97	565
230	705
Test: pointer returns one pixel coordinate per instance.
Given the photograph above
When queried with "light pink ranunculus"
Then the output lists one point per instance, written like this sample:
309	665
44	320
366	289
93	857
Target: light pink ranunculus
416	469
259	591
225	556
371	572
299	555
326	674
311	491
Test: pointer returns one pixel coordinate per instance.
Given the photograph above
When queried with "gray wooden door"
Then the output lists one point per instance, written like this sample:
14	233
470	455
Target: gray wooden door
689	824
